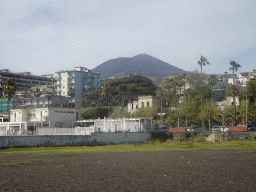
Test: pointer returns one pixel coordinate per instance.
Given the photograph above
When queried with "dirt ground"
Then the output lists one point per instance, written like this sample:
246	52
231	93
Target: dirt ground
206	170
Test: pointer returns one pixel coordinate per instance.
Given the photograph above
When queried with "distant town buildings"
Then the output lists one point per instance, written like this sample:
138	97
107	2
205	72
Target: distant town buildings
24	80
81	79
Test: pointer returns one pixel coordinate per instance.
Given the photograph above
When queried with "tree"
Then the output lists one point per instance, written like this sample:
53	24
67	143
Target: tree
37	94
202	62
120	91
212	81
210	113
9	90
95	113
71	94
170	86
179	80
234	67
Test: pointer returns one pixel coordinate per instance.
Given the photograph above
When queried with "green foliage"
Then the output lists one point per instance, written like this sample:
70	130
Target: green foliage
150	112
199	140
120	114
9	90
250	88
95	113
162	136
187	134
91	99
119	91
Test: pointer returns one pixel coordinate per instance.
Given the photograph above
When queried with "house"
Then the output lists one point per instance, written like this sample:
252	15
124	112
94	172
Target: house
143	102
81	79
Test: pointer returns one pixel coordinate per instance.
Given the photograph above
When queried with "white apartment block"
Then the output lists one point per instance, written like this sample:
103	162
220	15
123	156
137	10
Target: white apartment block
81	79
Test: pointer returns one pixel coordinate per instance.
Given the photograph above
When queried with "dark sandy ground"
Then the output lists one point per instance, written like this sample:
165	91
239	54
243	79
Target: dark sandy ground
206	170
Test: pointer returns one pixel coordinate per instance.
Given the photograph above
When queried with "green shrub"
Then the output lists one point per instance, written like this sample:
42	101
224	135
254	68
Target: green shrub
162	136
187	134
254	137
199	139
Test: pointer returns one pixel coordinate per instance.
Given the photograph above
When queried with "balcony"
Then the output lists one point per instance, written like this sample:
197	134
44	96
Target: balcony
71	82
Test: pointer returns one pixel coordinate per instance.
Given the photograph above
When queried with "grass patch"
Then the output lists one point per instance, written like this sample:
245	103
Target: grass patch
27	161
147	146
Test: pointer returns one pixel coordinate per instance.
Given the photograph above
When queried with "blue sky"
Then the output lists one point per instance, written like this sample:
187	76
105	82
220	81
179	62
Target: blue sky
47	35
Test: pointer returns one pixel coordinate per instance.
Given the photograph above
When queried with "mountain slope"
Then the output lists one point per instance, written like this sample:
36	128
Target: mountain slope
142	64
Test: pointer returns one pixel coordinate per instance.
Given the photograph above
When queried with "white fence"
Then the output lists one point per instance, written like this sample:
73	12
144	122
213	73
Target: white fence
13	129
65	131
85	127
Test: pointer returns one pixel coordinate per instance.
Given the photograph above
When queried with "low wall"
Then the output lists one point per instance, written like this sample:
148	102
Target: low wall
237	128
216	136
73	140
177	130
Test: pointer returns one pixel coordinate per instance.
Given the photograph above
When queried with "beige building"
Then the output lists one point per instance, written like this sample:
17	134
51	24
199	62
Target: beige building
143	102
45	117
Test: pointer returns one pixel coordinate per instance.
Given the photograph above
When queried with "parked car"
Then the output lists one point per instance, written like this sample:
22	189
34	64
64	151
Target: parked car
216	128
223	128
251	129
193	128
162	128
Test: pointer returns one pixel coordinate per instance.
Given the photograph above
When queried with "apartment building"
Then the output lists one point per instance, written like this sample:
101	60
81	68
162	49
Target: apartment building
24	80
81	79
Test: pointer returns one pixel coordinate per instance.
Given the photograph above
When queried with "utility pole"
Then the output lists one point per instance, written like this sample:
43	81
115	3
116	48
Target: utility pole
246	107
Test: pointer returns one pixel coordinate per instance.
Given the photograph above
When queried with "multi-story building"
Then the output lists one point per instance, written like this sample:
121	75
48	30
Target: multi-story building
246	76
82	80
24	81
225	78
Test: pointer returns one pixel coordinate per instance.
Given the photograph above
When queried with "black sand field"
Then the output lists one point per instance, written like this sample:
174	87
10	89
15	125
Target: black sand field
206	170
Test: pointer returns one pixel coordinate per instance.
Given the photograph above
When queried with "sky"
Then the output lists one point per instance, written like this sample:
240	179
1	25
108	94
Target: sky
43	37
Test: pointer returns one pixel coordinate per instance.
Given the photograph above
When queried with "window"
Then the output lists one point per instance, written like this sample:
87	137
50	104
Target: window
136	106
31	113
147	104
142	104
63	86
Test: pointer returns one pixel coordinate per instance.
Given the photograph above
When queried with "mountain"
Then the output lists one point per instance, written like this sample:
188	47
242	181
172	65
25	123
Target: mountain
142	64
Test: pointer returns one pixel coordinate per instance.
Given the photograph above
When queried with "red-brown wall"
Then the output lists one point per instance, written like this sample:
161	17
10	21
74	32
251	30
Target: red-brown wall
177	130
237	128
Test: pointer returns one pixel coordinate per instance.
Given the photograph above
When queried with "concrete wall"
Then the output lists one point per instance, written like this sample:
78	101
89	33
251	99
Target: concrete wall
69	140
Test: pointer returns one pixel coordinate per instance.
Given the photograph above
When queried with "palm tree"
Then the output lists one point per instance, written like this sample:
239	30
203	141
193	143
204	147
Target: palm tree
71	94
179	80
234	67
202	62
9	90
37	94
